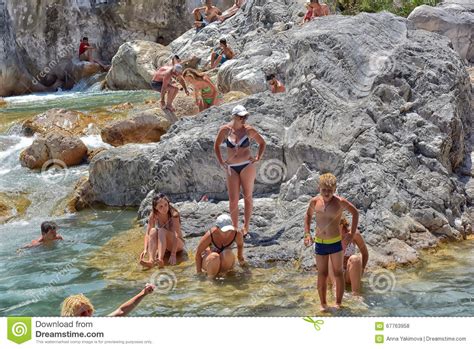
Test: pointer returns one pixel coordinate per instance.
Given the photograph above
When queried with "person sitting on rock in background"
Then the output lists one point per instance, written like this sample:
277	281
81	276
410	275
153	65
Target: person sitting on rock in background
85	53
205	92
354	264
222	54
328	209
48	235
276	86
233	10
163	233
162	82
79	305
315	9
214	252
211	14
240	165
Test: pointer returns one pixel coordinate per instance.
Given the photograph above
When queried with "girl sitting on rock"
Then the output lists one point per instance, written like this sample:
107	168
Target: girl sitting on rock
205	91
163	233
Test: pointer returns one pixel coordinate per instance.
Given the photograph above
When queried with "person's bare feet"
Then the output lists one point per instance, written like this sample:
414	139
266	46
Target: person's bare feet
160	263
170	108
324	308
245	231
147	265
338	306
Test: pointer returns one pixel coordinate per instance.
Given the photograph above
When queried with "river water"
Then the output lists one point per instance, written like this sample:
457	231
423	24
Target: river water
98	256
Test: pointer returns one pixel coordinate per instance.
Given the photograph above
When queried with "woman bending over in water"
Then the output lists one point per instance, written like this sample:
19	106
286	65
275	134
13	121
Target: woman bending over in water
163	233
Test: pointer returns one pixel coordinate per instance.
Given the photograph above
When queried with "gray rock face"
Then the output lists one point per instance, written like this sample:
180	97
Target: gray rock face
453	19
134	64
38	40
386	108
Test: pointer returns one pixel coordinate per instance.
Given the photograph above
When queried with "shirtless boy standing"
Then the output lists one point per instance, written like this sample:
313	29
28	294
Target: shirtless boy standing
162	82
328	210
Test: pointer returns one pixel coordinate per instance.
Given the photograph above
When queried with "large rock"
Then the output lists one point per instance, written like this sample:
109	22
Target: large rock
38	41
13	205
452	19
384	107
141	129
134	64
59	149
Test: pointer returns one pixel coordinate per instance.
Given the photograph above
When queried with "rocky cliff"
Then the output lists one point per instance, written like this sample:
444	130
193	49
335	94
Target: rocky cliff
38	40
384	106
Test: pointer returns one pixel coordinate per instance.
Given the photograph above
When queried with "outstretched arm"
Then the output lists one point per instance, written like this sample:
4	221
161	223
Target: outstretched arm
128	306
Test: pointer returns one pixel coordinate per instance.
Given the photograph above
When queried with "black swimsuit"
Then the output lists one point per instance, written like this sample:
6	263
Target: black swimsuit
220	249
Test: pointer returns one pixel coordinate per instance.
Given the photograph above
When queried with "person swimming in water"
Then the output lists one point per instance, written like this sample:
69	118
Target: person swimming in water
48	235
163	233
205	92
214	252
328	209
240	165
79	305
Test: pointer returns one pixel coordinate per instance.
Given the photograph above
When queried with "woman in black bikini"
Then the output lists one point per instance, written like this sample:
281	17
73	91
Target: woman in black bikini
163	233
214	252
240	165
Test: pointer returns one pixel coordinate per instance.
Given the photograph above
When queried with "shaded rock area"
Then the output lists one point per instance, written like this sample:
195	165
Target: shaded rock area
140	129
386	108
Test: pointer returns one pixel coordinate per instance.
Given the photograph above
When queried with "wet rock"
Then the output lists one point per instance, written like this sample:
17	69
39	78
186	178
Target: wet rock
58	120
54	149
12	205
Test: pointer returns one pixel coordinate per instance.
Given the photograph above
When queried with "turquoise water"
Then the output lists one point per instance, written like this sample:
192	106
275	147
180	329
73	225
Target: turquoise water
35	282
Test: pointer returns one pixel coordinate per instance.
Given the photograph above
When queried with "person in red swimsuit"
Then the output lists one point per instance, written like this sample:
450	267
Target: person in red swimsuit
85	53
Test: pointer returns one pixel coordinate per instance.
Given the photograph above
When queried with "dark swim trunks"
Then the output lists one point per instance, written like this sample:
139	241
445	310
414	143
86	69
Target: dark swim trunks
157	85
325	249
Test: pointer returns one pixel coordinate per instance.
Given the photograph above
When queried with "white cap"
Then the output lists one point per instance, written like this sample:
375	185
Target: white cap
178	68
240	110
224	223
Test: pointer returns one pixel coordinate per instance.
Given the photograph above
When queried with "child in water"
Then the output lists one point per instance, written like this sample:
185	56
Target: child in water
48	235
328	209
